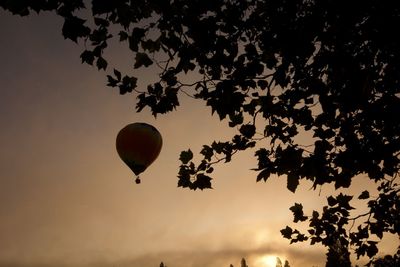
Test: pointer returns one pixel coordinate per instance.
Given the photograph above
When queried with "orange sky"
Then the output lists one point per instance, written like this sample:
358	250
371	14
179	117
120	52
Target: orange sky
66	198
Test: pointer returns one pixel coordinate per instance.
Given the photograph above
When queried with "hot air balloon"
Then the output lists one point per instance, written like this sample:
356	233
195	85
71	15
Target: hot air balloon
138	145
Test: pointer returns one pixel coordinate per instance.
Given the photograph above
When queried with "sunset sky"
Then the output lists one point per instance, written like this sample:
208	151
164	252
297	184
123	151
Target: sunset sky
66	199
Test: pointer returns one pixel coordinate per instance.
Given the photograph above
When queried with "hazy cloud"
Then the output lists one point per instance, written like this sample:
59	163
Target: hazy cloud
220	258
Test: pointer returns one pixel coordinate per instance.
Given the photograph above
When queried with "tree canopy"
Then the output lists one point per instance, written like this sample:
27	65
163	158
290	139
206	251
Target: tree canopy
276	70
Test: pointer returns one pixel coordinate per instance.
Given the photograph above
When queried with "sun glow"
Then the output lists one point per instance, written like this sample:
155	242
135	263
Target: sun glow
267	261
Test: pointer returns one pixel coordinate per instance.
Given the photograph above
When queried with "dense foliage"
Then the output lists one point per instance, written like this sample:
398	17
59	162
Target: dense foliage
338	254
277	70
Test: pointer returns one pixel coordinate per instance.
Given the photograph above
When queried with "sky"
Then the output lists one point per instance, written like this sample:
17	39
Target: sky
66	198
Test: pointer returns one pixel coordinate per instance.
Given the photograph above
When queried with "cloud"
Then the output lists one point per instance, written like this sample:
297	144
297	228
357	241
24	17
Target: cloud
298	257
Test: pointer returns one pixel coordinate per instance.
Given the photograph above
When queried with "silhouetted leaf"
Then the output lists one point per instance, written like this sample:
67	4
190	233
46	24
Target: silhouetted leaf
248	130
298	213
202	182
134	38
332	201
142	59
123	36
101	63
101	22
207	152
117	74
343	201
111	81
87	57
364	195
372	249
263	175
74	28
287	232
292	182
186	156
151	45
127	85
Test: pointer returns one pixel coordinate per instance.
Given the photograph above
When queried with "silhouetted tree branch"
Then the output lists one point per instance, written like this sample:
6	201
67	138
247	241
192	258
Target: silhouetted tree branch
328	69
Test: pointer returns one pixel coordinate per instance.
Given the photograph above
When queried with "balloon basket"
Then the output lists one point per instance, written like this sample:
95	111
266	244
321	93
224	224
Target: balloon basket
137	180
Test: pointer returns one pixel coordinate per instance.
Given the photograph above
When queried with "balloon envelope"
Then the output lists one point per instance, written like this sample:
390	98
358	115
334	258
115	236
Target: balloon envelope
138	145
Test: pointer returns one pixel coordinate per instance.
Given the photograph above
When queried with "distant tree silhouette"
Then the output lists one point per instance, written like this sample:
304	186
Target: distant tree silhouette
276	70
278	262
243	263
286	264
